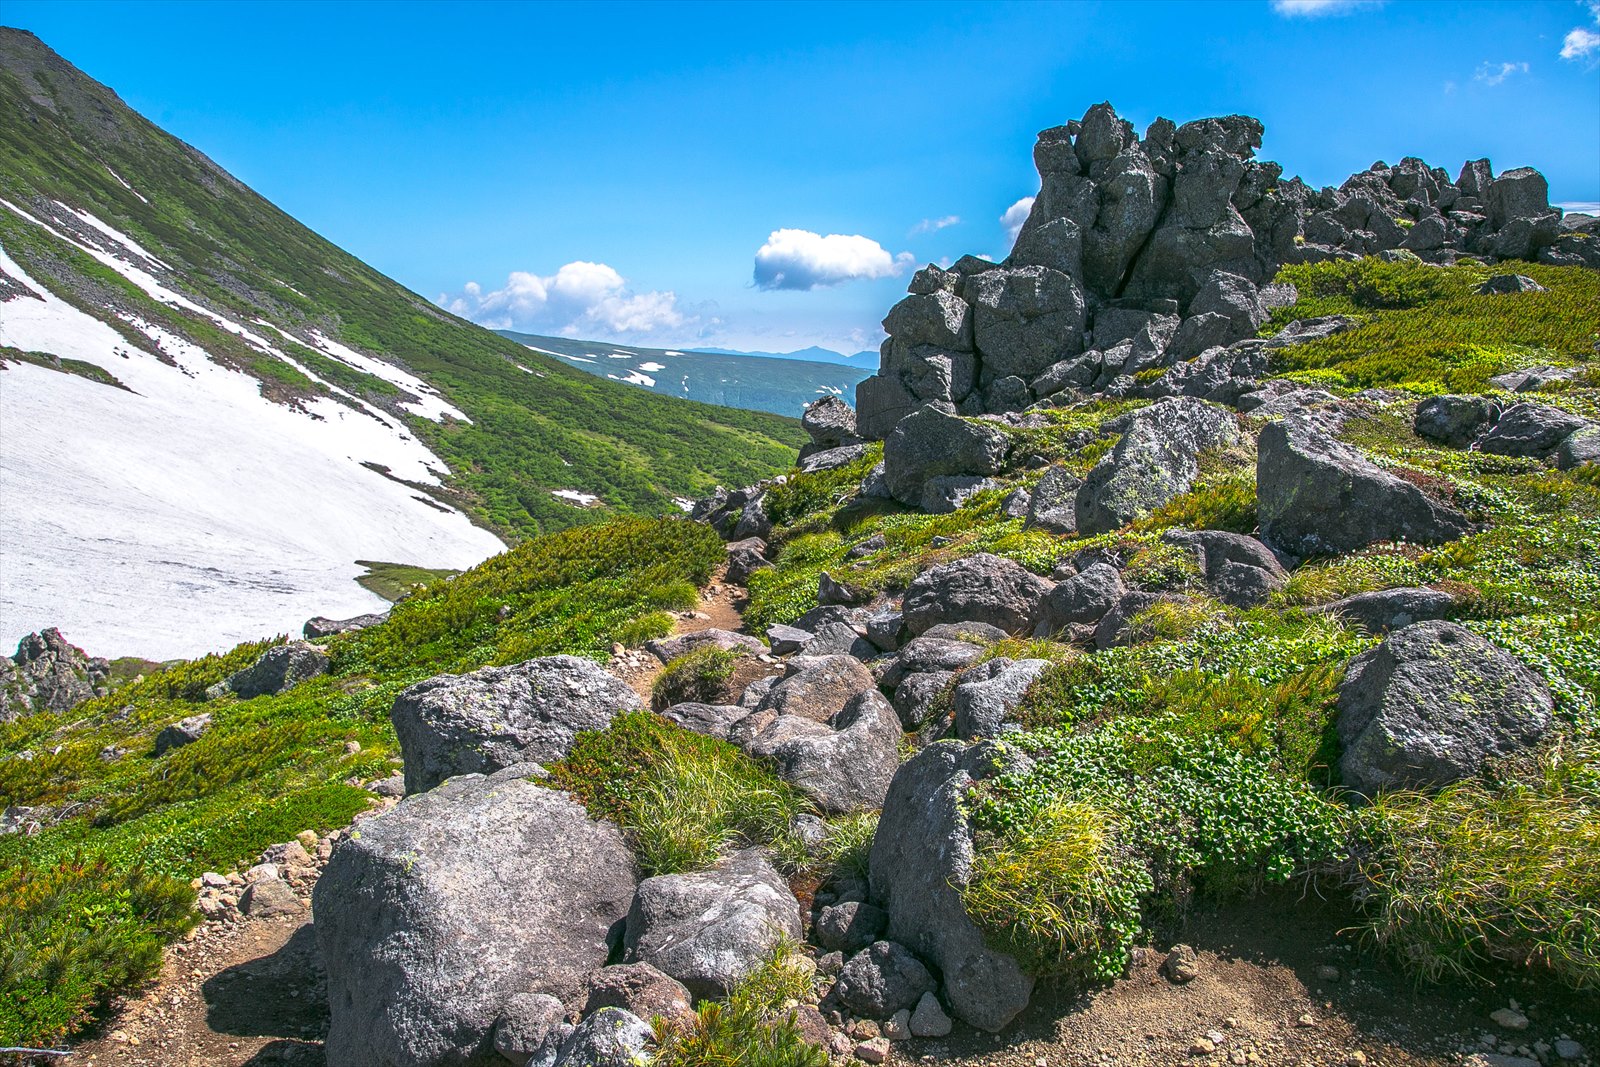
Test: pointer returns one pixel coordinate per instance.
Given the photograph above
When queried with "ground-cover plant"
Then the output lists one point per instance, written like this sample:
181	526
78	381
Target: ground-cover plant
751	1027
684	799
703	676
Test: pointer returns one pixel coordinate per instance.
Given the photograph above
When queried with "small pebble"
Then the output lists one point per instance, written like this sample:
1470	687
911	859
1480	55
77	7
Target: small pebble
1510	1018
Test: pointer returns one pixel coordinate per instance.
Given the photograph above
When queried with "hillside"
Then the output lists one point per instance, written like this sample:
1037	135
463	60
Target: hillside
812	354
736	380
212	413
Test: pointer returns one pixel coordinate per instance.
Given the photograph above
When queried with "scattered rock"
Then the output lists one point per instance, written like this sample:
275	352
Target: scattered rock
981	588
713	720
667	649
269	898
1392	609
1156	459
1510	283
1454	420
531	1028
1509	1019
1182	964
936	442
610	1037
986	695
183	732
321	626
641	989
882	980
849	927
929	1019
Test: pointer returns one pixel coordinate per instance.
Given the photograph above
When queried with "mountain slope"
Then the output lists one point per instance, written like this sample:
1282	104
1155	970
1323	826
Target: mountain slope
755	382
287	409
814	354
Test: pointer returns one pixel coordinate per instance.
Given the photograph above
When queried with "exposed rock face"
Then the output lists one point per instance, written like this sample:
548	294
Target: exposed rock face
981	588
278	669
48	674
922	859
1430	704
322	626
501	716
1156	459
711	928
936	442
1142	253
1320	497
438	913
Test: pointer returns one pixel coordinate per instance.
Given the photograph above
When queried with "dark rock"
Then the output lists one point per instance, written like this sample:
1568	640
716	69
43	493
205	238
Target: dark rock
886	629
922	860
1156	459
1016	503
787	639
713	720
1577	448
1529	430
989	693
838	639
1082	600
1237	569
752	521
712	928
1025	319
832	591
867	547
842	766
1116	628
1531	379
501	716
935	442
830	422
183	732
667	649
883	979
914	696
849	927
321	626
818	688
881	402
279	668
945	494
641	989
1431	704
269	898
1317	496
1392	609
928	653
414	914
1454	420
745	558
832	458
981	588
531	1028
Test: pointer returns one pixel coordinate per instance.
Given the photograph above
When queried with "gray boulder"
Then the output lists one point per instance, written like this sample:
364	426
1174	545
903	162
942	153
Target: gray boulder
881	402
1431	704
886	629
829	422
417	913
989	693
1510	283
1317	496
818	688
641	989
981	588
1081	601
849	927
1392	609
712	928
745	558
530	1029
1053	504
611	1037
922	860
1156	459
839	639
842	765
913	697
667	649
279	668
935	442
501	716
1577	448
1116	629
47	673
269	898
1530	430
929	653
1025	319
1454	420
1236	568
183	732
941	319
322	626
831	458
947	493
713	720
883	979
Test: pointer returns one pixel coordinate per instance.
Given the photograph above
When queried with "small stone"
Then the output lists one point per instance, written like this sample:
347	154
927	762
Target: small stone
1509	1018
1305	1021
875	1050
213	880
308	840
898	1026
1568	1049
865	1029
1201	1047
1327	973
930	1020
1215	1037
1182	964
352	747
1356	1058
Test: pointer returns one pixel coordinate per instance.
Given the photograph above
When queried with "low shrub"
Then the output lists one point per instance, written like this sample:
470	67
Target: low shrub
704	676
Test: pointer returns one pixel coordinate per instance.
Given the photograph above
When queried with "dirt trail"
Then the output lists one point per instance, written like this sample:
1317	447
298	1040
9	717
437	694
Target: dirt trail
721	607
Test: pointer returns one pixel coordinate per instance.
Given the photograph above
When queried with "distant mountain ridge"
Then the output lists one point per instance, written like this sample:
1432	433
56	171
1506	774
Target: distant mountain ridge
778	384
814	354
211	412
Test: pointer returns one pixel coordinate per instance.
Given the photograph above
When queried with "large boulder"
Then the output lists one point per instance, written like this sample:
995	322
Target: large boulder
501	716
1530	430
1053	504
1156	459
936	442
1392	609
1236	299
48	674
1077	604
924	654
981	588
1025	319
842	765
711	928
940	319
1236	568
988	694
1454	420
1431	704
817	687
278	669
436	914
1317	496
830	422
921	861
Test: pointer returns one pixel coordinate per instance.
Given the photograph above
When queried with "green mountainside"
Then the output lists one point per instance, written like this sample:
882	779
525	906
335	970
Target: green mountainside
67	142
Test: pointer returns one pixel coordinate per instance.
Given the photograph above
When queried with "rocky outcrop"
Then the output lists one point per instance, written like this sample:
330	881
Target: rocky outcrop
987	695
712	928
280	668
1156	458
48	674
501	716
922	859
1320	497
935	442
980	588
321	626
1431	704
437	914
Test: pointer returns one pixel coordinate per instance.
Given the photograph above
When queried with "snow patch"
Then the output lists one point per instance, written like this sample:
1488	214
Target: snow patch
652	367
572	496
429	404
125	185
635	378
116	235
575	359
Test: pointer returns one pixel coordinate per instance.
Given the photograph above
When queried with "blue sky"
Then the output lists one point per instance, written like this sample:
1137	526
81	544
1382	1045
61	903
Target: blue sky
629	171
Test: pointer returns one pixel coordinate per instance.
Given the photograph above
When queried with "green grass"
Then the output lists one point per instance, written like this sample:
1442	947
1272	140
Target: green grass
394	580
751	1027
91	371
684	799
704	676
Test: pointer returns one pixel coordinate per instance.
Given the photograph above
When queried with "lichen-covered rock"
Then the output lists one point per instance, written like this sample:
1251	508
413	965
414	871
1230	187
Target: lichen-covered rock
48	673
1431	704
279	668
1317	496
611	1037
989	693
1236	568
433	916
980	588
1530	430
1081	601
1156	459
935	442
712	928
501	716
829	422
1454	420
641	989
183	732
842	765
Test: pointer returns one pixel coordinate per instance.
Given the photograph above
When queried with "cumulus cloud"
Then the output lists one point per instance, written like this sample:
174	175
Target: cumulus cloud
1583	42
800	259
581	299
934	225
1496	73
1015	216
1311	9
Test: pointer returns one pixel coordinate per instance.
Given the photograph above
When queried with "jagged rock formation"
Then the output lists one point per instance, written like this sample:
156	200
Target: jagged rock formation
48	674
1142	253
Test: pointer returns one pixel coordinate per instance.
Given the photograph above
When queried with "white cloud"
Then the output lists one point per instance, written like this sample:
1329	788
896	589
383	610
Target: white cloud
581	299
800	259
1312	9
1586	207
934	225
1015	216
1495	73
1582	42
